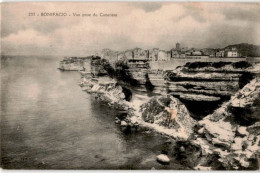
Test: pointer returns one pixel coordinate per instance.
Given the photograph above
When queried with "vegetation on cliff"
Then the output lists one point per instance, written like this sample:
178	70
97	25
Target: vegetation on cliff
246	115
122	73
235	65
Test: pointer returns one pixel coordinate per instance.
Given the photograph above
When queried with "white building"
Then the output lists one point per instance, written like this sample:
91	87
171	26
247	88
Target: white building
232	53
162	55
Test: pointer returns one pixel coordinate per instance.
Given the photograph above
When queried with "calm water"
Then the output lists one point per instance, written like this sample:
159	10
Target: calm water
48	122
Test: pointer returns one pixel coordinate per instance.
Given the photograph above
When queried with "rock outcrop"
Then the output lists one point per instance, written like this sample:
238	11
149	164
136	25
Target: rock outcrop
106	90
228	138
162	158
225	134
220	79
208	84
75	64
155	112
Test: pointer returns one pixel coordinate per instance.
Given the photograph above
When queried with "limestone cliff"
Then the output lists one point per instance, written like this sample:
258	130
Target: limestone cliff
232	134
106	90
220	79
206	85
75	64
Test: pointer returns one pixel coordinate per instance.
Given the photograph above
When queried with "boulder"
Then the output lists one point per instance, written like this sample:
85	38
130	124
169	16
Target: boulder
201	131
202	168
117	121
242	131
237	145
254	129
155	111
123	123
163	158
182	149
218	142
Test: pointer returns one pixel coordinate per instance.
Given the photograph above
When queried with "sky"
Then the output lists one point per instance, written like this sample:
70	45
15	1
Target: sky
138	24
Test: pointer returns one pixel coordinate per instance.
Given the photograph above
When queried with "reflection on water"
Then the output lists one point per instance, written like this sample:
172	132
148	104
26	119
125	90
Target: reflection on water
48	122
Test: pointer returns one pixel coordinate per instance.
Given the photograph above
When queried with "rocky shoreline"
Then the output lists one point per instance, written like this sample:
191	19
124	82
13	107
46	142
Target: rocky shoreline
222	140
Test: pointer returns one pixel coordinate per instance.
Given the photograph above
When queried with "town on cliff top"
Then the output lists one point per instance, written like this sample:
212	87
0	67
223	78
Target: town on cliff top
209	109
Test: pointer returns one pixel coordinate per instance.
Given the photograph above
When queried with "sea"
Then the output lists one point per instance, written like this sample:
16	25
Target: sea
48	122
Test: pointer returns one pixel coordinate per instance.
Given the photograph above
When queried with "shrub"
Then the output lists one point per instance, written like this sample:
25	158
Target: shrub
123	74
220	64
242	115
109	69
194	65
247	115
120	73
128	94
241	64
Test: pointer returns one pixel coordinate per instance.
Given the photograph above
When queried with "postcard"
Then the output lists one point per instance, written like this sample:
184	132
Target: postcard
130	86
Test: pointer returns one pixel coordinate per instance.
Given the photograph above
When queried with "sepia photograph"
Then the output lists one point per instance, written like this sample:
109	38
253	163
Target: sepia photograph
130	86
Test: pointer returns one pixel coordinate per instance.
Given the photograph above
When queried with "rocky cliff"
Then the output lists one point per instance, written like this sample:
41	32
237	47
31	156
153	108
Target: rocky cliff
106	90
232	131
210	79
206	85
227	138
75	64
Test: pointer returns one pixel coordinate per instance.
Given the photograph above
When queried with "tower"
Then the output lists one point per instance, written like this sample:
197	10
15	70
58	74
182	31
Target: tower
178	46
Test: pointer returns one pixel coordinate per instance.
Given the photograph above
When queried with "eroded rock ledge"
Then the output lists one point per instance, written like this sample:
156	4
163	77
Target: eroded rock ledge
233	136
227	139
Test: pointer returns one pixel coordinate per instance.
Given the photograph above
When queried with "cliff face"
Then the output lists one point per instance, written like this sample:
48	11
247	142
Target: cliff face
228	138
107	91
209	79
233	136
75	64
109	55
206	85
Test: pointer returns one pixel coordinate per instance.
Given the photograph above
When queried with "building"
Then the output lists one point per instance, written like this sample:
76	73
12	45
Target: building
188	52
125	55
87	65
178	46
162	55
183	55
232	53
121	56
175	53
153	54
196	53
169	55
220	53
96	67
184	49
138	64
208	52
129	54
